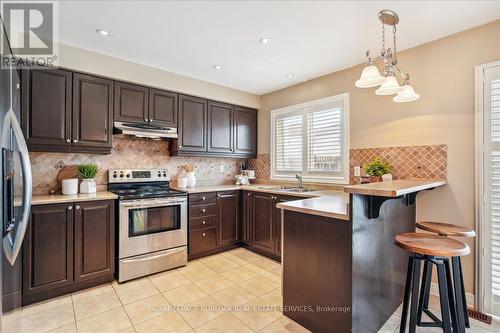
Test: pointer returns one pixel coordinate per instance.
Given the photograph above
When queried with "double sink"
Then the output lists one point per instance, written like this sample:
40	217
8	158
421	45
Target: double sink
287	189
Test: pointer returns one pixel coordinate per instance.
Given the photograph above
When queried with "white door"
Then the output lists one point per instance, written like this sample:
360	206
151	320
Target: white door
489	200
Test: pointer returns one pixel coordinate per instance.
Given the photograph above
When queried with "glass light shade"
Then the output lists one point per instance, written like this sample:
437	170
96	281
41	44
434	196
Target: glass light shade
389	86
407	94
370	77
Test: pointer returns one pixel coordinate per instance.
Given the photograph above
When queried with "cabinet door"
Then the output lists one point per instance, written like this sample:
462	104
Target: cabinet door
227	217
277	221
94	240
192	124
262	217
92	112
220	127
48	249
131	103
245	131
163	107
46	109
247	217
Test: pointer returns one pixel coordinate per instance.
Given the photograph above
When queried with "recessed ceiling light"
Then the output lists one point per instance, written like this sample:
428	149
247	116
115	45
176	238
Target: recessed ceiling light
264	40
290	75
102	32
217	67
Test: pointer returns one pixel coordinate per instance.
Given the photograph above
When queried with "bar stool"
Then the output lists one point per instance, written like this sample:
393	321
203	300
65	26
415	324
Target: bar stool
434	250
448	230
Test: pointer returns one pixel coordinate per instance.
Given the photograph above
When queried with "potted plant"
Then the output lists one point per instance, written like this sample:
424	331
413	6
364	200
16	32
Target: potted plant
88	172
377	169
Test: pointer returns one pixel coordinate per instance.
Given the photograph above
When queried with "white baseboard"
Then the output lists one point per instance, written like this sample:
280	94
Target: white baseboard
469	296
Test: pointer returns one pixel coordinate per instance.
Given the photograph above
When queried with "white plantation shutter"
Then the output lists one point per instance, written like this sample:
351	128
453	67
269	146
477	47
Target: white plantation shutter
490	185
289	143
311	139
324	140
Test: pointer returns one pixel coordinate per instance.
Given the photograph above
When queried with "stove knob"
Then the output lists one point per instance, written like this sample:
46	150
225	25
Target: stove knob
121	175
115	175
128	175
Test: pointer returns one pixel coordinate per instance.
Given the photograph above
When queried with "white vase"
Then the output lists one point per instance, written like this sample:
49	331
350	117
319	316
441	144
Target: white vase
191	179
88	186
387	177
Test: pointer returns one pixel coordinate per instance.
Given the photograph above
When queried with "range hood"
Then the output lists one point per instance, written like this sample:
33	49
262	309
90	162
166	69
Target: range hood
145	130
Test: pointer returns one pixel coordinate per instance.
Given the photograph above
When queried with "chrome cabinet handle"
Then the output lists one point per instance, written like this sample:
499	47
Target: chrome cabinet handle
77	207
68	140
75	140
70	207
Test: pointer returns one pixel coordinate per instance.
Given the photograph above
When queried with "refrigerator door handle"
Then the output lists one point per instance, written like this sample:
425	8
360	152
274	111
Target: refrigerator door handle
12	247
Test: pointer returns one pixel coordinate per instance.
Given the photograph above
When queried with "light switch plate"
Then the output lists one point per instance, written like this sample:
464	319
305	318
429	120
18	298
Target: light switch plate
221	168
357	171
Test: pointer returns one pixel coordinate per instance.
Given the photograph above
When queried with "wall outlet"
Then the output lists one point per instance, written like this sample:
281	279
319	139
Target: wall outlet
357	171
221	168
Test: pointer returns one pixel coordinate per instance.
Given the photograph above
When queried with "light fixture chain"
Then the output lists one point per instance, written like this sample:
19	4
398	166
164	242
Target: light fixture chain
394	41
383	39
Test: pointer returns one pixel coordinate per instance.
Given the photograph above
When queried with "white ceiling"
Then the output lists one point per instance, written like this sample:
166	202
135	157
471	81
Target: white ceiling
309	38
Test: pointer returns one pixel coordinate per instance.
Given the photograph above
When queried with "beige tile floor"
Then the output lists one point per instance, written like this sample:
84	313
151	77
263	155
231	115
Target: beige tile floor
195	298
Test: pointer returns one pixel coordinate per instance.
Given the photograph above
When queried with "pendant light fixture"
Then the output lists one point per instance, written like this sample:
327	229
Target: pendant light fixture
389	85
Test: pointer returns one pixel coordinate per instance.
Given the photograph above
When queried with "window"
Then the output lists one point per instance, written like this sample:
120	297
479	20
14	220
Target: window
312	139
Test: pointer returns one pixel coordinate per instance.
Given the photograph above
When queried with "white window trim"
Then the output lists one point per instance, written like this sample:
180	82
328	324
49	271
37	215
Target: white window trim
344	179
482	242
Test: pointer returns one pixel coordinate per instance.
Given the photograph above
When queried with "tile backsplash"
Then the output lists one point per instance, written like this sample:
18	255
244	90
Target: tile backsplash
429	161
130	153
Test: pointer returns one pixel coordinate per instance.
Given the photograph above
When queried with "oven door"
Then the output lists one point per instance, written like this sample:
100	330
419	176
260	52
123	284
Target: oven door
150	225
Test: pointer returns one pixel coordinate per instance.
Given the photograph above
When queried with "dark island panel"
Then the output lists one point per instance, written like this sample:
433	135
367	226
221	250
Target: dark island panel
317	272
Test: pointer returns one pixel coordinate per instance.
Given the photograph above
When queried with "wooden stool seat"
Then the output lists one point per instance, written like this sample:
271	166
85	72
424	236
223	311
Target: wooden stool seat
432	245
446	229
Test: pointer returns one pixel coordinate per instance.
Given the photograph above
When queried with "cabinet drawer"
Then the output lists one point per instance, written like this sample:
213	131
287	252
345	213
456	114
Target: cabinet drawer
201	222
202	240
202	210
202	198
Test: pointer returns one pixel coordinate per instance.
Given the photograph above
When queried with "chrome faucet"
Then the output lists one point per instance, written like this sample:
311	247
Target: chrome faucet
299	180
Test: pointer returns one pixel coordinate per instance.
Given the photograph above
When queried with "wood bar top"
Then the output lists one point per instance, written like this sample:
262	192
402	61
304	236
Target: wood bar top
432	245
446	229
395	188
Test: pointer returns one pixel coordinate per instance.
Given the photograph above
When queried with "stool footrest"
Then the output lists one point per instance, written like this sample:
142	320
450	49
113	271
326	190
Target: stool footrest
436	322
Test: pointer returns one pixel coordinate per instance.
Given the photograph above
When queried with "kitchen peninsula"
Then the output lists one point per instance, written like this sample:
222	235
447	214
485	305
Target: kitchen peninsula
348	271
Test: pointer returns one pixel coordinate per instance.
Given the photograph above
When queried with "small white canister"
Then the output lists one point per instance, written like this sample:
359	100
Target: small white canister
182	182
70	186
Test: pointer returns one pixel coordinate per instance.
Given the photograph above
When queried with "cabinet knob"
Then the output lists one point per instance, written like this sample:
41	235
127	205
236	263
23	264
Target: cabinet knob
203	234
180	146
70	207
150	120
248	194
203	222
77	207
203	210
68	140
218	195
75	140
203	198
146	119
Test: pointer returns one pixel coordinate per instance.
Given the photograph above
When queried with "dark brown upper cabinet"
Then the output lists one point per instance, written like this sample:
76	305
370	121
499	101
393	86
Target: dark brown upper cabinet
162	108
131	103
245	131
192	127
92	112
46	109
64	111
220	127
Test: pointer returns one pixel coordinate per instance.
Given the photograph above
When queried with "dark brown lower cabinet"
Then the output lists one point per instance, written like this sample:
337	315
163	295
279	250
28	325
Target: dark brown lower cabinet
228	213
67	247
262	222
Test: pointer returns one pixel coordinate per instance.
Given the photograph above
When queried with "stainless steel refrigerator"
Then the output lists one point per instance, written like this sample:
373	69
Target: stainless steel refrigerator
15	197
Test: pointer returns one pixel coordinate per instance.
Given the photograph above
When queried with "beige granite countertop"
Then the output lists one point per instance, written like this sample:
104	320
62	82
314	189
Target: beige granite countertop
60	198
322	202
395	188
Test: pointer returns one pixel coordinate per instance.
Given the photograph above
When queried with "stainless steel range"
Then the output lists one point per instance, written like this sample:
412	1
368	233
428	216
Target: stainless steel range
152	222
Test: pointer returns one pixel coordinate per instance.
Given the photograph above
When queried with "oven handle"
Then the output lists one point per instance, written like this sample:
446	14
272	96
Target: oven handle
170	202
148	257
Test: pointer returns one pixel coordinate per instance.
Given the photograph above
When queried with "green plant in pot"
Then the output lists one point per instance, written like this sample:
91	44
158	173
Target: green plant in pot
88	172
377	169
